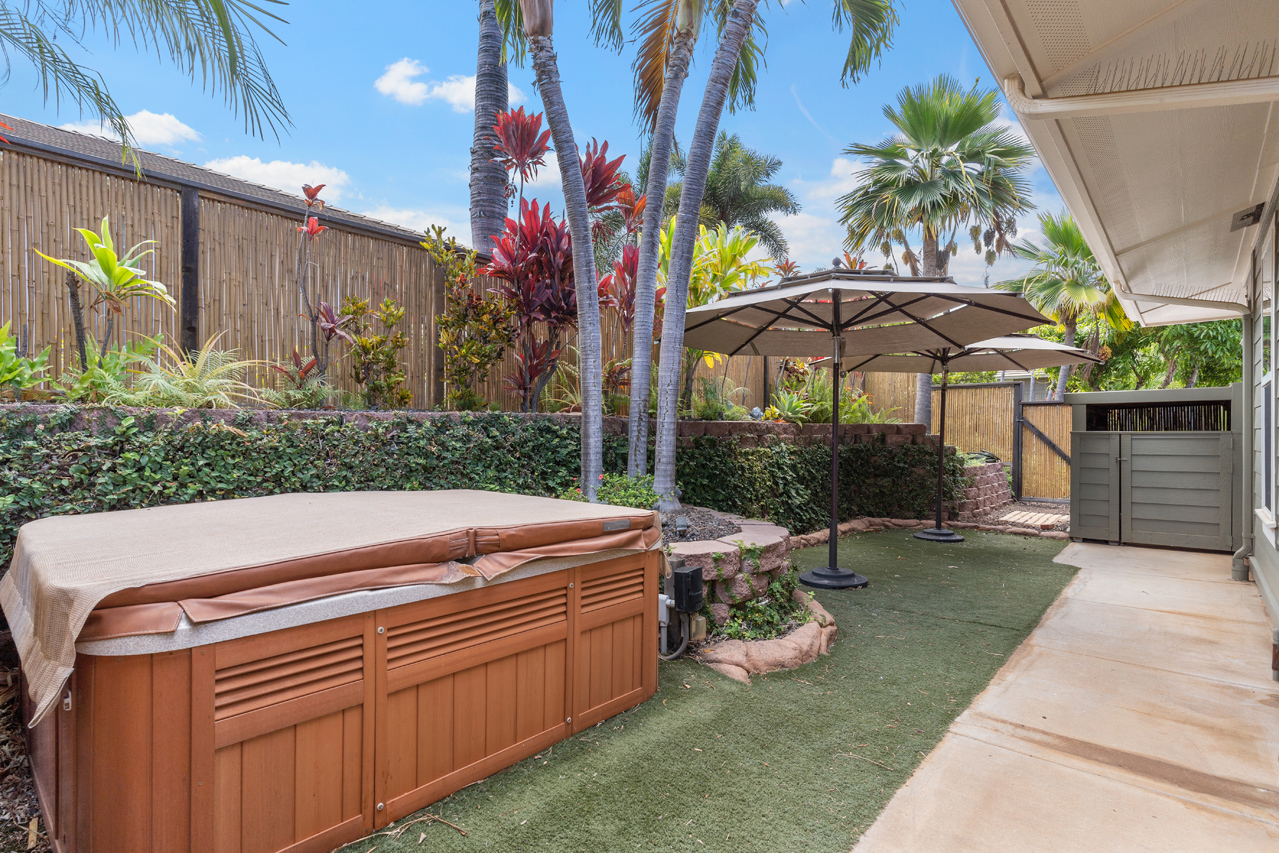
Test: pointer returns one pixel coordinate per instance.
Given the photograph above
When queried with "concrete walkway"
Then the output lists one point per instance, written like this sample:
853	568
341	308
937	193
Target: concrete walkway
1139	715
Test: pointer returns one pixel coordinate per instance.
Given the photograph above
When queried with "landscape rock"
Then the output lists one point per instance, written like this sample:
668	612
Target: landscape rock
703	555
828	637
736	673
773	550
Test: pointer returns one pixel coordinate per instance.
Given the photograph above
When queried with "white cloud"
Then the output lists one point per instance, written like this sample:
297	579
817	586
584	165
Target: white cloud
284	175
455	220
148	129
400	81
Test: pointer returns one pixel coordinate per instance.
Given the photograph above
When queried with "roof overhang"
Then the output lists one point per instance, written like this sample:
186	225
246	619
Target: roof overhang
1158	120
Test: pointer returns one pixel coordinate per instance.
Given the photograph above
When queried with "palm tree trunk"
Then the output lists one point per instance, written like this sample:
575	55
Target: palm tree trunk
1064	375
737	27
77	319
488	177
924	381
649	250
590	368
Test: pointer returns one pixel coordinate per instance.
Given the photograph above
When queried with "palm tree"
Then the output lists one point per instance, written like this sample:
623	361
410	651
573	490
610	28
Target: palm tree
488	177
948	167
668	33
871	22
738	193
1066	283
209	40
534	19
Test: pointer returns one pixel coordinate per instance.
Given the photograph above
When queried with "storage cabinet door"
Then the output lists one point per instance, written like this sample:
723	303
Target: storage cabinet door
1094	487
616	655
285	720
468	684
1177	489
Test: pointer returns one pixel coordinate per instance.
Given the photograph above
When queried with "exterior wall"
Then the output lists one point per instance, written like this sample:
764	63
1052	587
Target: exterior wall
1265	554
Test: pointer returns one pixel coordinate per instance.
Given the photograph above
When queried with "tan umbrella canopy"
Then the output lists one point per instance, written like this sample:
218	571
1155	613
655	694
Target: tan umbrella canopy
845	312
1009	352
877	312
1024	352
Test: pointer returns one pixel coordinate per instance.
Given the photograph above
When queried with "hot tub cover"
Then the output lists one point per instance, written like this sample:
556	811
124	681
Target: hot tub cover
137	571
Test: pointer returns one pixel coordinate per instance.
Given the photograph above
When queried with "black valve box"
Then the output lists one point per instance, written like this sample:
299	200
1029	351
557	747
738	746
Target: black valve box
686	585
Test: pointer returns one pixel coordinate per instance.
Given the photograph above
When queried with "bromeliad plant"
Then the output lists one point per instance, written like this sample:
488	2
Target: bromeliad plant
475	329
114	280
375	358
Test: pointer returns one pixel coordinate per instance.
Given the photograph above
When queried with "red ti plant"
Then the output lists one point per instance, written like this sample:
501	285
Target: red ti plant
300	373
533	257
617	289
600	175
522	145
325	325
785	267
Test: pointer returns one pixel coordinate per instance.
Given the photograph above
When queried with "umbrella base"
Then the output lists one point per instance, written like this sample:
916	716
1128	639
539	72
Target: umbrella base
939	534
834	578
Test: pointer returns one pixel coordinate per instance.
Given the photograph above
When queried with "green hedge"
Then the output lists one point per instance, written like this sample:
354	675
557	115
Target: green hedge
790	484
53	463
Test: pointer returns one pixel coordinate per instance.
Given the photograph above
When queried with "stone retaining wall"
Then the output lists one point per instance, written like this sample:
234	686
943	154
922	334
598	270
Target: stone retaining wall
739	567
989	490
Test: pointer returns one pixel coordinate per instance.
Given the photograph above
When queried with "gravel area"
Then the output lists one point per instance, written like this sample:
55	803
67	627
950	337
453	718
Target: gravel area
702	524
995	516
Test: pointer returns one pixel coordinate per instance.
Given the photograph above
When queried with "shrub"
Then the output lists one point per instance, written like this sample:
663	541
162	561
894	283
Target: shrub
619	490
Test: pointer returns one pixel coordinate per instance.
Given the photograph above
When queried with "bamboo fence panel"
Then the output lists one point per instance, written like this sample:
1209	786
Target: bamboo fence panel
248	289
1044	474
978	418
891	392
41	203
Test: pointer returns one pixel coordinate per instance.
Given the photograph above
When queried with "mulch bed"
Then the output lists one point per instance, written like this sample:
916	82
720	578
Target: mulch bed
18	806
702	524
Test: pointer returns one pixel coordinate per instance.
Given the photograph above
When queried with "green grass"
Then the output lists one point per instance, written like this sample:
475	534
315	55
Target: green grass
710	764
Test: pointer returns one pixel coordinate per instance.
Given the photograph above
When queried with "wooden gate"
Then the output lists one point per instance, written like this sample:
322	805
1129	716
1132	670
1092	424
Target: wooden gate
1043	461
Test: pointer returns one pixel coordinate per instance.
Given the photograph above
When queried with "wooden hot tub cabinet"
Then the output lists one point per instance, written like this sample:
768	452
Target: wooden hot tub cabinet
305	738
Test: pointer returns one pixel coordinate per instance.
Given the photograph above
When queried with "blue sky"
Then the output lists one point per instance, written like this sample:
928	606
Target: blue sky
399	150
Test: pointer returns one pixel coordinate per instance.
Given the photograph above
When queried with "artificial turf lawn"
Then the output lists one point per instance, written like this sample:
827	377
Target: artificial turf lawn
710	764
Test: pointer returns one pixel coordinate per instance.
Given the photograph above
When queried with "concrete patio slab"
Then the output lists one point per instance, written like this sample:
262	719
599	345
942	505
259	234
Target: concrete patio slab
1139	715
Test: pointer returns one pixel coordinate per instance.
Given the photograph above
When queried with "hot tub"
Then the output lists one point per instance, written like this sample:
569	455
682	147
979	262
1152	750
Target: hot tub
301	698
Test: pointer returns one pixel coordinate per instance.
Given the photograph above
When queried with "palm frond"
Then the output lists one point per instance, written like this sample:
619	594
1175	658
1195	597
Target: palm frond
871	23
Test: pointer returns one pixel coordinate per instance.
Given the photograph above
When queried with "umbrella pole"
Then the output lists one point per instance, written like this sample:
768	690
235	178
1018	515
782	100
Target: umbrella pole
833	577
938	533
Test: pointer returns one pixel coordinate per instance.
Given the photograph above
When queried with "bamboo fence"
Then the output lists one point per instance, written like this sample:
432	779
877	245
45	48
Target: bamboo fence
1044	474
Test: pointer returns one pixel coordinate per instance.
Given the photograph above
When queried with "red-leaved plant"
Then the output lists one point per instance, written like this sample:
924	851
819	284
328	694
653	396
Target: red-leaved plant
521	145
533	257
324	322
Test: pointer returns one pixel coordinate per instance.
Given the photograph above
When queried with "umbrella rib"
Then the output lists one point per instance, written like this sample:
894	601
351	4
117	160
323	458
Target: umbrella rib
972	304
956	344
879	299
892	308
777	315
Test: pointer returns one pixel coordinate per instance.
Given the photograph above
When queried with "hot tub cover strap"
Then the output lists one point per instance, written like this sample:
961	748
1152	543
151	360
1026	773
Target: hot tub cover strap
140	569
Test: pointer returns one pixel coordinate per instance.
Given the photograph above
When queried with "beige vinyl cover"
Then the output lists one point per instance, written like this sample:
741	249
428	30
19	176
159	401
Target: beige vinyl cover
64	566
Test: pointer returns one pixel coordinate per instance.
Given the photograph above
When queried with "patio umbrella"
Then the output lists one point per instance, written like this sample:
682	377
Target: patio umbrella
853	312
1022	352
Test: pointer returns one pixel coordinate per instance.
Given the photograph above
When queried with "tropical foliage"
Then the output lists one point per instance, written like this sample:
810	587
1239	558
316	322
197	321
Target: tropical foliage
375	355
19	372
949	167
1066	284
738	192
211	41
114	280
206	379
108	370
732	72
474	328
